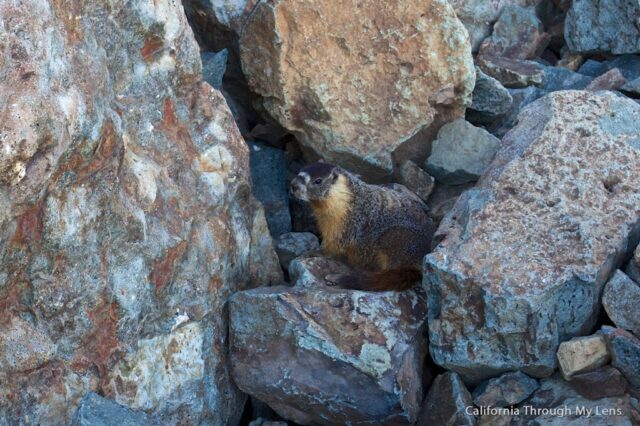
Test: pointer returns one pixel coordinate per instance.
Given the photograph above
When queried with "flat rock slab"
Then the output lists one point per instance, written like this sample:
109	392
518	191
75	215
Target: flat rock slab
601	383
621	300
505	390
523	257
320	355
362	81
582	354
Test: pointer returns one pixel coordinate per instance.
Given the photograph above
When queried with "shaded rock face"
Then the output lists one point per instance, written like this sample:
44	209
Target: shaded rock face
96	410
521	259
323	355
366	85
621	301
505	390
126	218
446	403
603	26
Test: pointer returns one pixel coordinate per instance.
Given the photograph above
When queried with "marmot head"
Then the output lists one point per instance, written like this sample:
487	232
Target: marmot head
314	181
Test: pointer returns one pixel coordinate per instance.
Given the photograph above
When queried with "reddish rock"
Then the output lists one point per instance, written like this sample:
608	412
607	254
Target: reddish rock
512	72
601	383
611	80
447	403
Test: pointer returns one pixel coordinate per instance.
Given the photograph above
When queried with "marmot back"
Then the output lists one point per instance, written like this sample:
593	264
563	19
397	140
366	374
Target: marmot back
383	230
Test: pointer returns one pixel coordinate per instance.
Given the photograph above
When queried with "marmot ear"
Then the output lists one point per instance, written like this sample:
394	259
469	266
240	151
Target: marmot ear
335	172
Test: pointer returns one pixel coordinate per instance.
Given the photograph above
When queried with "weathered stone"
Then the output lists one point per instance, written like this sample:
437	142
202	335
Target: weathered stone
505	390
269	174
632	87
625	353
322	355
611	80
517	269
553	391
556	78
125	208
96	410
521	98
443	198
417	180
582	354
633	267
264	422
368	84
603	26
293	244
621	300
446	403
311	270
490	98
629	66
615	411
214	64
461	153
518	34
479	16
570	61
601	383
512	72
211	16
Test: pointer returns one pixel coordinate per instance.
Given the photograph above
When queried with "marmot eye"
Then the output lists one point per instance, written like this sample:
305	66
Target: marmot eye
317	181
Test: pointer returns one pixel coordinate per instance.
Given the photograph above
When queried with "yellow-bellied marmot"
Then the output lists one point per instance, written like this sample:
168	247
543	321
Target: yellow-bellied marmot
382	230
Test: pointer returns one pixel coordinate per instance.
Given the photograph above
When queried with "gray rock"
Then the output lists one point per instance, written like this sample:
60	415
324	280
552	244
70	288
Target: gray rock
615	411
269	175
461	153
446	403
632	87
629	66
611	80
417	180
518	34
490	97
505	390
512	73
603	26
556	78
293	244
633	267
582	354
625	353
530	209
521	98
621	300
95	410
324	355
214	64
444	198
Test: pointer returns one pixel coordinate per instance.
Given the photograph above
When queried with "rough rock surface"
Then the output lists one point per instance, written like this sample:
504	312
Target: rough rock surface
446	402
621	300
126	214
512	72
461	153
582	354
293	244
96	410
490	98
362	85
603	26
323	355
505	390
614	411
417	180
601	383
611	80
518	34
523	257
625	353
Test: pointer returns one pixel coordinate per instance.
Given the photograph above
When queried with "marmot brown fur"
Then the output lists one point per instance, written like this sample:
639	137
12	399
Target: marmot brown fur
382	230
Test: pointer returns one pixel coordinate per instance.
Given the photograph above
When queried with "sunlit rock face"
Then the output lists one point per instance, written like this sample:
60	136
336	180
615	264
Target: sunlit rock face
126	219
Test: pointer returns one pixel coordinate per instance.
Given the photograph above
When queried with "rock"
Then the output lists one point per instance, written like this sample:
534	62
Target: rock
444	198
323	355
521	98
293	244
518	34
264	262
621	300
417	180
447	403
490	98
512	72
263	422
529	208
601	383
628	65
479	16
125	210
461	153
556	78
96	410
269	174
633	267
632	87
214	64
505	390
611	80
616	411
625	353
570	61
598	26
553	391
218	16
368	84
582	354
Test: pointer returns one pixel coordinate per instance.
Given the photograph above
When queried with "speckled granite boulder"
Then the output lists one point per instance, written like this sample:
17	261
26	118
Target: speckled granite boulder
621	301
523	257
366	85
322	355
126	215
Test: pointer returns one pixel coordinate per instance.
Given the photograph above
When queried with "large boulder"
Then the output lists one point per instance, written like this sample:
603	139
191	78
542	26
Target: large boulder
126	215
365	85
324	355
522	258
603	26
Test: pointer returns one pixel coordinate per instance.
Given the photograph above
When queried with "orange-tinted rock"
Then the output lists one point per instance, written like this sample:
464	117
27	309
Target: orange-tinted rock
364	85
